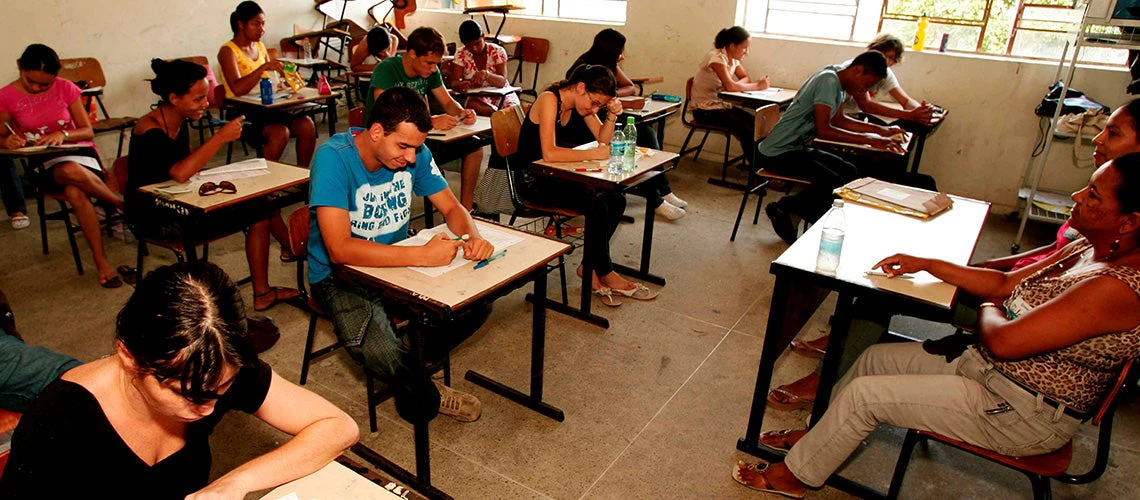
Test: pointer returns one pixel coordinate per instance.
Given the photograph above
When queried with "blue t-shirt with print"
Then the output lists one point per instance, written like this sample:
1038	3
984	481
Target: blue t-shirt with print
796	127
378	203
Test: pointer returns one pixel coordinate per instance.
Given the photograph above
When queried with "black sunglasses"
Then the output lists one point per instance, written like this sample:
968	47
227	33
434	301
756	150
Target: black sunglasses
209	188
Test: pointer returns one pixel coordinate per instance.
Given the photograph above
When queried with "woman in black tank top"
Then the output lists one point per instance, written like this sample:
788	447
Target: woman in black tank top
565	116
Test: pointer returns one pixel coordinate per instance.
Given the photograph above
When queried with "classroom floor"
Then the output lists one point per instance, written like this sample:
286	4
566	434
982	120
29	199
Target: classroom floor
654	405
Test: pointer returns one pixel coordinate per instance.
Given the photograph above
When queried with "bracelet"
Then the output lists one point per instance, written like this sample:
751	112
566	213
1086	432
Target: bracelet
66	135
986	304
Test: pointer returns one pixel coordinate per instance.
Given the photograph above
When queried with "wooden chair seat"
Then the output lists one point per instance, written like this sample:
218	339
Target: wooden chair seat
1049	464
114	124
694	125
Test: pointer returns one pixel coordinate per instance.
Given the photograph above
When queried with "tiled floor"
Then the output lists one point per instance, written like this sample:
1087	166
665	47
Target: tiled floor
653	405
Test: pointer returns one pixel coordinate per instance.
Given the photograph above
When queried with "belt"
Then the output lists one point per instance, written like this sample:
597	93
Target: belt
1049	401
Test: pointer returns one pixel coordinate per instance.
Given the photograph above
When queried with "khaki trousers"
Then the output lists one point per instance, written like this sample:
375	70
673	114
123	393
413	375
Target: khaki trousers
902	385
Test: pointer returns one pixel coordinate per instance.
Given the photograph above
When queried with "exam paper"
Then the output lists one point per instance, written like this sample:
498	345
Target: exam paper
499	239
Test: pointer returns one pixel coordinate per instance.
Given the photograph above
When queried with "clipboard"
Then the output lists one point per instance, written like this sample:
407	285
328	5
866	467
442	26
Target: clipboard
896	198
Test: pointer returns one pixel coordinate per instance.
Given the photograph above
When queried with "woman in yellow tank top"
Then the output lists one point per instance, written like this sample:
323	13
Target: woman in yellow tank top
243	60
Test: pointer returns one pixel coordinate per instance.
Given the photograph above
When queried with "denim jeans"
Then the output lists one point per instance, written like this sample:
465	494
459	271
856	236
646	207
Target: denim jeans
363	323
25	370
11	186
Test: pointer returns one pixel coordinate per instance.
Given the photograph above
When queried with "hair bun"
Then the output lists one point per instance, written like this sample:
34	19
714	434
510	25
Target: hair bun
157	65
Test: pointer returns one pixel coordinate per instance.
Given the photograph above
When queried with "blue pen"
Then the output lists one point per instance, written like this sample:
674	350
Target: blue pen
483	263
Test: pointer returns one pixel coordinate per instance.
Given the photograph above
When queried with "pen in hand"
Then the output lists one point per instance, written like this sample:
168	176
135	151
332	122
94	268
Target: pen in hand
465	237
882	274
483	263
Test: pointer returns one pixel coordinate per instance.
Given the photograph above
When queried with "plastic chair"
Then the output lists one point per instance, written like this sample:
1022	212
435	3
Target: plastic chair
8	421
760	180
530	50
87	73
1038	468
695	125
299	223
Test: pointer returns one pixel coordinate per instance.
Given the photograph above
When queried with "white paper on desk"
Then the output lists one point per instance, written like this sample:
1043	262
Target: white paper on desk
302	62
494	90
241	166
499	239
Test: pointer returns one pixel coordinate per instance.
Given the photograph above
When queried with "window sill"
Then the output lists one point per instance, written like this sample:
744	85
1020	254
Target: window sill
535	18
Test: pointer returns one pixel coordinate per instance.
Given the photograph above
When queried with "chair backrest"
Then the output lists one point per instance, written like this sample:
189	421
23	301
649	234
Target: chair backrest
217	95
299	222
506	125
685	106
356	117
1108	403
532	50
211	79
83	70
119	173
766	118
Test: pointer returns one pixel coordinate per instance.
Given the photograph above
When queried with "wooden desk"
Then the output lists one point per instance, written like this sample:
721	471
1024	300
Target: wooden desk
654	112
502	10
500	92
642	81
203	218
430	298
596	182
335	481
250	104
871	235
921	131
753	99
461	130
863	149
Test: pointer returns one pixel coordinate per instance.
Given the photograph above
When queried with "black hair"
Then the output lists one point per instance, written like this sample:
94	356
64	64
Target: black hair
1132	109
1128	194
243	13
397	105
731	36
39	57
885	42
598	79
873	62
378	41
469	31
174	77
186	322
605	51
425	40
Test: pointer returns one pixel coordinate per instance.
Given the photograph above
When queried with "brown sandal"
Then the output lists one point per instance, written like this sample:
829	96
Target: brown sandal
279	295
753	476
806	347
782	440
791	401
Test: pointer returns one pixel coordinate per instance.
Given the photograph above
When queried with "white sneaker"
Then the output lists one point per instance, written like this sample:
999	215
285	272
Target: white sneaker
672	199
458	405
669	211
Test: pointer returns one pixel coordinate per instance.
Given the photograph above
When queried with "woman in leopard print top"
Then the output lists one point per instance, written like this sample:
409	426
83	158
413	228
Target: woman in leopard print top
1066	326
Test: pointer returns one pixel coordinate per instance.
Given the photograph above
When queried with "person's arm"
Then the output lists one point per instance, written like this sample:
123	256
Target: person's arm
625	86
868	133
604	130
452	107
905	100
187	167
545	109
320	433
731	84
459	221
9	140
238	84
1062	321
1007	262
83	130
336	234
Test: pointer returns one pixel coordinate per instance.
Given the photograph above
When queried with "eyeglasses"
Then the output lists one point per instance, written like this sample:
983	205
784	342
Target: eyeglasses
210	188
596	103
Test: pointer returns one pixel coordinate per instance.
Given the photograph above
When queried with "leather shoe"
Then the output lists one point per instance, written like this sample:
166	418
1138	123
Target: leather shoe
781	223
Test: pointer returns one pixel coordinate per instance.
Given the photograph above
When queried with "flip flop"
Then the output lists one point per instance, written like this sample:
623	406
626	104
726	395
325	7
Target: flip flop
128	273
639	292
277	297
606	296
805	348
794	402
780	440
756	473
21	222
290	258
114	282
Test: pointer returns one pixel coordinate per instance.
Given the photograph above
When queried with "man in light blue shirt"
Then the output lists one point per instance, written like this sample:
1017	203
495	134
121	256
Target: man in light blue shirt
360	199
816	112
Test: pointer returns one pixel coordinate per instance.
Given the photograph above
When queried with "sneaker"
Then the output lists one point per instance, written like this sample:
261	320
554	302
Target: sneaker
669	211
458	405
21	222
781	223
672	199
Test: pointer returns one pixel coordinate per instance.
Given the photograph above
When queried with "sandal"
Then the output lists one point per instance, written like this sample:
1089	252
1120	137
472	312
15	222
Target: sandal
811	348
128	273
782	440
752	476
287	256
606	296
791	401
21	222
279	295
113	282
639	292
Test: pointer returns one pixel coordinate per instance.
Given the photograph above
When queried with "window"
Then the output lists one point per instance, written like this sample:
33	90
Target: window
587	10
1023	28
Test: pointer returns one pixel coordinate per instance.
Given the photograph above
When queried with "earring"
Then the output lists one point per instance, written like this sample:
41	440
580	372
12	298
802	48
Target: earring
1113	249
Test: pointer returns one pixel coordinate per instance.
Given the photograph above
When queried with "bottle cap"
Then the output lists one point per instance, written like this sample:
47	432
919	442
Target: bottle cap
838	203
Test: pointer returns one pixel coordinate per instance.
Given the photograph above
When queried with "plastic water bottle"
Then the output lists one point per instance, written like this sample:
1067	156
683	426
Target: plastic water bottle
266	91
307	48
617	151
831	242
629	160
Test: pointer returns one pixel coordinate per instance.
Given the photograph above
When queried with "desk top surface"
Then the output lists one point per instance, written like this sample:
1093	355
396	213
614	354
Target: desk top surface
466	284
331	482
874	234
482	125
772	95
592	171
280	176
305	96
906	145
652	109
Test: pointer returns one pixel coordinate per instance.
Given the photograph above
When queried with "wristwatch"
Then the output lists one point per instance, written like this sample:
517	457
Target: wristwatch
987	304
66	135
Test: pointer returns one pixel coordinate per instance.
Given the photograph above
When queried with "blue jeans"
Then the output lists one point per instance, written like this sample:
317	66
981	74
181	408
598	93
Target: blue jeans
11	186
363	323
25	370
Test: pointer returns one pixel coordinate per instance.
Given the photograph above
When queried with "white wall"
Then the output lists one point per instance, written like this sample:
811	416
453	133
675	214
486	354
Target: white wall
981	150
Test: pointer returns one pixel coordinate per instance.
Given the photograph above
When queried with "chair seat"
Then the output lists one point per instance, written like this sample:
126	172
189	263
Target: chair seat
769	175
694	123
550	209
119	123
316	308
1050	464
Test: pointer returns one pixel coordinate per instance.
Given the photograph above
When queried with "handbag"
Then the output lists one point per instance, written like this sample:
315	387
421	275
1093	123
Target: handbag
1075	102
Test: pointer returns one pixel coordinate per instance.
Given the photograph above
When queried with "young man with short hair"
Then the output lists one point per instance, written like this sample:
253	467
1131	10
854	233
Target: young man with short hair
418	69
360	196
817	112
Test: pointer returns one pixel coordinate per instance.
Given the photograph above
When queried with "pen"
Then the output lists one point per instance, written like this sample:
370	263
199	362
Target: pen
436	134
587	170
885	275
483	263
465	237
9	127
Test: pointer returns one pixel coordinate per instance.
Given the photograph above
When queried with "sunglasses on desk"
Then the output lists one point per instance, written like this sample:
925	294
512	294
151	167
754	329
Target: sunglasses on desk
211	188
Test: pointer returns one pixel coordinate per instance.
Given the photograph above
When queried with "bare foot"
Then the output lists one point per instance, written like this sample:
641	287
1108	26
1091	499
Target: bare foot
796	395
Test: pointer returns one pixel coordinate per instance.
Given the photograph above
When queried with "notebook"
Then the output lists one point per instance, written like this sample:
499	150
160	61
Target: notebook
896	198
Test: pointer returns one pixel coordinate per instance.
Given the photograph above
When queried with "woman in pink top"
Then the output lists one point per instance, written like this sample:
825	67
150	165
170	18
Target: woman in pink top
44	110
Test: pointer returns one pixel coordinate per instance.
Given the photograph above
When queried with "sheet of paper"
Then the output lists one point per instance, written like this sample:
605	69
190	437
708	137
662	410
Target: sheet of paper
494	90
499	239
241	166
767	91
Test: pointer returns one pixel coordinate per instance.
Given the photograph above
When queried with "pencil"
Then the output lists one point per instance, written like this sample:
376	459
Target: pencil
483	263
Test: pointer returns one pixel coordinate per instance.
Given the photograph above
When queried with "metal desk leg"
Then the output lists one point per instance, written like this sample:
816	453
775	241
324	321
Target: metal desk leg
921	138
840	326
537	360
330	113
773	346
583	312
642	272
398	473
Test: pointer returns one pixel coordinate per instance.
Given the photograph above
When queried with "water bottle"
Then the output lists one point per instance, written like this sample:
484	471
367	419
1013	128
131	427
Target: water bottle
831	242
629	160
307	48
617	151
266	91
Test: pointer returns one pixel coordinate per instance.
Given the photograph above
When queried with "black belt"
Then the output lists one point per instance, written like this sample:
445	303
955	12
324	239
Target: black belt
1049	401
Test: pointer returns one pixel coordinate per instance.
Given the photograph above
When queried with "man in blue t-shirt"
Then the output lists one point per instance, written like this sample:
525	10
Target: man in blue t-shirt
817	112
418	69
360	198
